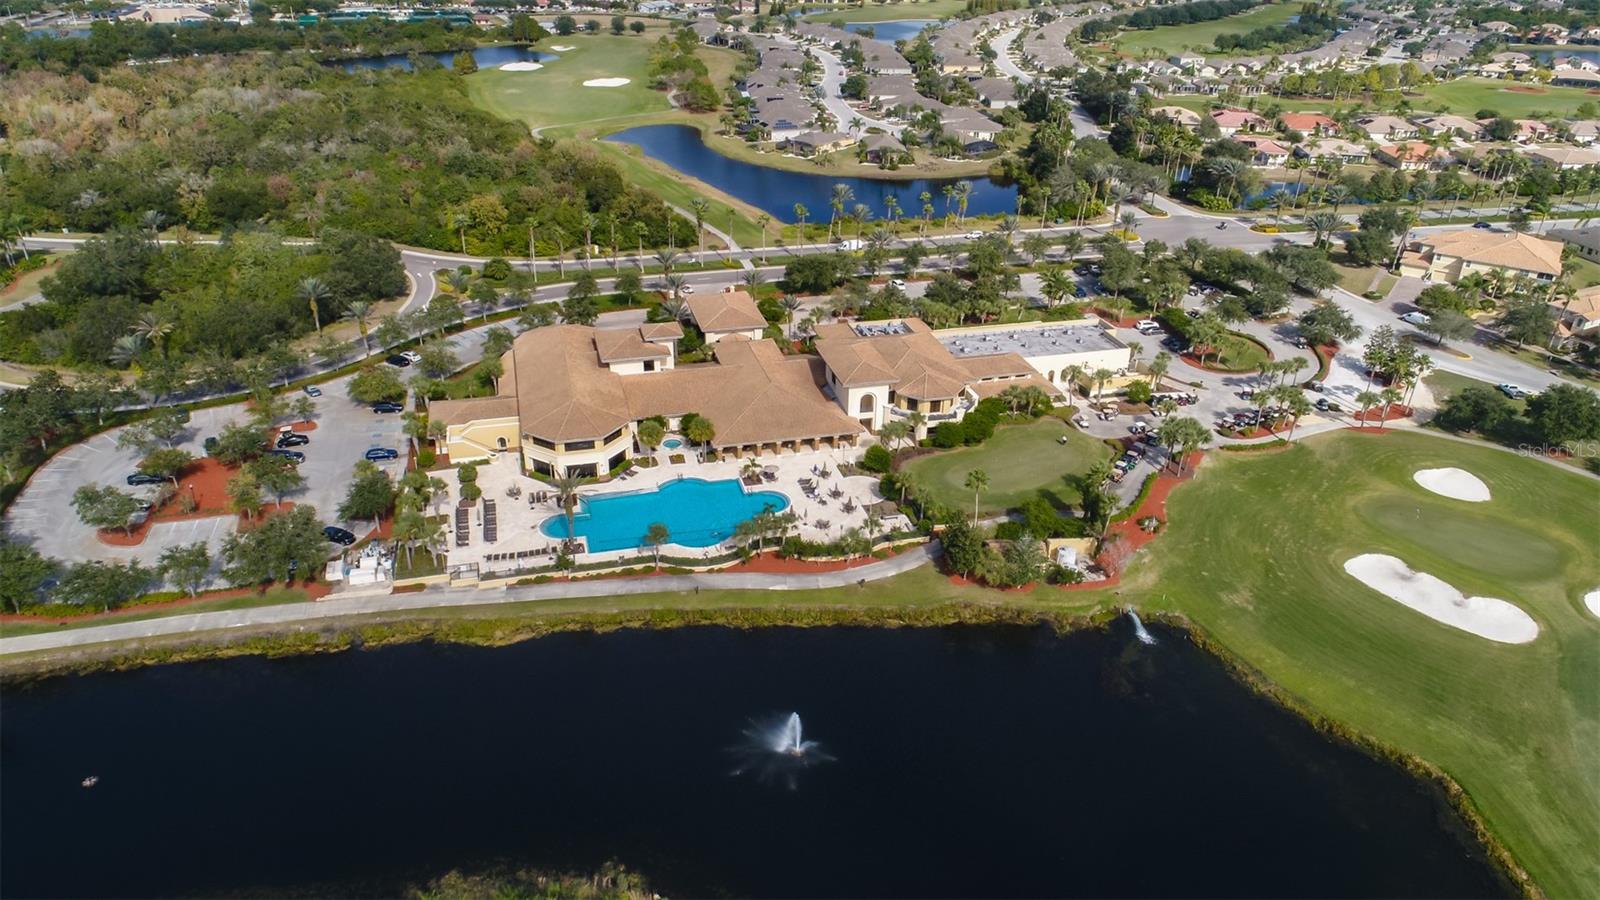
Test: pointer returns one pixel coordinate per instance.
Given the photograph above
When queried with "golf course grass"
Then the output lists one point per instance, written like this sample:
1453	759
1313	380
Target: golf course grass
1466	96
888	12
1021	461
1168	39
1254	554
555	95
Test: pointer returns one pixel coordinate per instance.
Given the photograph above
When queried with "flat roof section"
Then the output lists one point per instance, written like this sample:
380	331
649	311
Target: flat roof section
1027	342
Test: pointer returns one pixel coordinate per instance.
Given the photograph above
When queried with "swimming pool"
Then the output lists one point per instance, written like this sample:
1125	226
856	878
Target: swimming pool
697	513
672	443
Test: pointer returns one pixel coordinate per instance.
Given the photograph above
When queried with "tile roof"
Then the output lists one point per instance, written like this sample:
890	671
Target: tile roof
1507	249
726	311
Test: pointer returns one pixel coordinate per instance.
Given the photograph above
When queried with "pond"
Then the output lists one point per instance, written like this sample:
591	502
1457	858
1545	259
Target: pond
1592	54
894	29
962	761
486	57
777	191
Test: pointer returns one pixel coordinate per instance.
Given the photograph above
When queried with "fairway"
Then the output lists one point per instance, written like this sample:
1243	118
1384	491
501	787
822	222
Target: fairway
1021	461
555	94
1254	554
888	12
1169	39
1466	96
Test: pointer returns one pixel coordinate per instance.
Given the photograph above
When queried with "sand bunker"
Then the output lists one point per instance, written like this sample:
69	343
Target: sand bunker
606	82
521	67
1485	617
1592	600
562	48
1457	484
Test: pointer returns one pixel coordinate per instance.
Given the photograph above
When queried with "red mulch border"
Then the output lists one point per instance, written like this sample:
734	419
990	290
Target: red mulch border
1376	414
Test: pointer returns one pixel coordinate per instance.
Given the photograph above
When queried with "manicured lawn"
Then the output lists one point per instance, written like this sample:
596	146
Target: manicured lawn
886	12
1255	552
1201	103
1584	273
555	95
1200	37
26	285
1239	354
1021	461
1465	96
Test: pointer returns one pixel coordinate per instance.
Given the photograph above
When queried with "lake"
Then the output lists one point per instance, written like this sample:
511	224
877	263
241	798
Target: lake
486	57
960	761
893	30
777	191
1592	54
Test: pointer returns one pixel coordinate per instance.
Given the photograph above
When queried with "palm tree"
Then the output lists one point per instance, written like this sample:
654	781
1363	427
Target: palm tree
841	195
926	199
800	214
675	283
700	206
977	482
1158	368
1128	220
791	305
891	207
1367	399
1056	284
763	221
1100	378
1337	193
566	485
152	328
588	240
963	195
1389	396
460	222
1323	225
126	349
313	291
153	219
360	312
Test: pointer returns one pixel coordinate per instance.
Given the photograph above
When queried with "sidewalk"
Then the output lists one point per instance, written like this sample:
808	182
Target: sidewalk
341	606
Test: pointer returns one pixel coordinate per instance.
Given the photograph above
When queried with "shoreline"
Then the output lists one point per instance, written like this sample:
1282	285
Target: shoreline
341	636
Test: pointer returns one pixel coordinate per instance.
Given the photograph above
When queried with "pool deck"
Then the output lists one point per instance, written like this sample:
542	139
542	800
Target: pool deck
821	519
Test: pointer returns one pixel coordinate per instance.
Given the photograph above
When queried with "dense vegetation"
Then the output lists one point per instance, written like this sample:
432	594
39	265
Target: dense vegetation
216	143
122	297
1156	16
1313	27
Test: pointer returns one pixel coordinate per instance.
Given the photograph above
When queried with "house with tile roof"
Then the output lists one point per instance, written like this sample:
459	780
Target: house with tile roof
1447	256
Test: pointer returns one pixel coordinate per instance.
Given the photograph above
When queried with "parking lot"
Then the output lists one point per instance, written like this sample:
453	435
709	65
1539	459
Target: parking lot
43	515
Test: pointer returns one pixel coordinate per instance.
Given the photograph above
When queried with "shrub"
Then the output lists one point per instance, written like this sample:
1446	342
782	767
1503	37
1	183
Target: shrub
497	269
877	459
1008	530
426	458
946	435
1139	392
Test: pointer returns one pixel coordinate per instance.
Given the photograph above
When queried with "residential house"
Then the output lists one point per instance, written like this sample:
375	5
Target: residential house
881	148
995	93
1570	76
1336	148
1578	317
1309	124
1460	126
1564	157
1585	131
1449	255
1586	241
1233	121
1264	151
812	143
1414	156
1186	118
1386	129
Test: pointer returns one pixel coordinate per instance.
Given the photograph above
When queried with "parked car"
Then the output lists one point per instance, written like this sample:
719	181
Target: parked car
412	355
1482	224
1326	405
387	406
1147	326
294	456
1080	269
686	289
1081	292
139	478
898	284
338	535
211	444
311	390
378	454
1510	390
1416	318
1176	344
292	439
852	244
398	361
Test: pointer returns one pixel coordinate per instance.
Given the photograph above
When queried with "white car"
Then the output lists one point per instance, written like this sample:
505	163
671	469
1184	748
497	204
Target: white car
897	283
412	355
686	289
1418	319
973	235
1147	326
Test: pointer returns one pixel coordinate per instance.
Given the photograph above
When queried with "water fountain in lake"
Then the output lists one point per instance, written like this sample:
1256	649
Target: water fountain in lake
1144	637
775	749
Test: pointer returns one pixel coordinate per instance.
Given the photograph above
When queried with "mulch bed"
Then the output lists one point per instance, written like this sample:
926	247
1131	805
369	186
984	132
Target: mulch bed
1376	414
772	563
1524	89
1109	316
307	425
205	480
316	590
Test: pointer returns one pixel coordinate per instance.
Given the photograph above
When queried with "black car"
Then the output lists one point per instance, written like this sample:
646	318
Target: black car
386	406
1176	343
338	535
211	445
293	455
292	439
398	361
1481	224
378	454
139	478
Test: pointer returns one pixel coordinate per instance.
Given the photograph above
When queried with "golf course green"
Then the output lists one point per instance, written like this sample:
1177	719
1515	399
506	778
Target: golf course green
1021	461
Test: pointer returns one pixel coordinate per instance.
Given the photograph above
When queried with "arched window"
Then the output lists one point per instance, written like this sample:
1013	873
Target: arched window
867	402
500	442
1051	375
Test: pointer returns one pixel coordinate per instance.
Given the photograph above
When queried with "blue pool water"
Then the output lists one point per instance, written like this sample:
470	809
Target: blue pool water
697	513
672	443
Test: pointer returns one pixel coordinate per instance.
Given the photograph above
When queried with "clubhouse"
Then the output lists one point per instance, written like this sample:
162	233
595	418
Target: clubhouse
572	396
